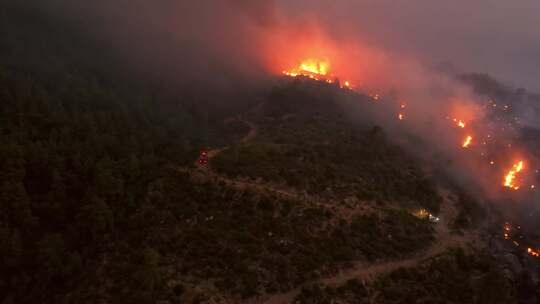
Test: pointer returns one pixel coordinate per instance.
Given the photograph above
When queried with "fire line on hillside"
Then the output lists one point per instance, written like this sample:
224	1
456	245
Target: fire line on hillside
316	69
477	142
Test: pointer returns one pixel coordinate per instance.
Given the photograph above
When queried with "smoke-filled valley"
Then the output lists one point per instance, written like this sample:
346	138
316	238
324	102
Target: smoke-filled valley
231	151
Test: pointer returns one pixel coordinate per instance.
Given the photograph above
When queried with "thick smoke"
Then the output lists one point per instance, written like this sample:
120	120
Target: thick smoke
384	47
391	48
488	36
206	43
220	36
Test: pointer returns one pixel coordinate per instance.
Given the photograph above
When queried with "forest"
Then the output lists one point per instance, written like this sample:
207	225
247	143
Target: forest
100	199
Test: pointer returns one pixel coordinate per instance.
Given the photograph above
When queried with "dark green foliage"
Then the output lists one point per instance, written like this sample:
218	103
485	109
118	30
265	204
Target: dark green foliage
351	292
453	277
80	142
322	154
395	234
470	212
91	210
249	242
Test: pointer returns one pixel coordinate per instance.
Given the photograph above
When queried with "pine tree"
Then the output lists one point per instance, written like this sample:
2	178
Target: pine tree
14	202
95	219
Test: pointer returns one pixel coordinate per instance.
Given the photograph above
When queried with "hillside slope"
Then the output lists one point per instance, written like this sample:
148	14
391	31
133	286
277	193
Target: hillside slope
102	200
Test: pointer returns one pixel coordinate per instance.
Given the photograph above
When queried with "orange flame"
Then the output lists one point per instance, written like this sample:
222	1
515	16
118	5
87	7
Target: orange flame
459	123
310	67
533	252
509	179
467	142
401	116
316	69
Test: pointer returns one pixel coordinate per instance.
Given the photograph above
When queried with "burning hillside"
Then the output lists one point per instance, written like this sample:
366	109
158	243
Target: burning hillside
476	125
510	178
516	236
316	69
310	67
480	133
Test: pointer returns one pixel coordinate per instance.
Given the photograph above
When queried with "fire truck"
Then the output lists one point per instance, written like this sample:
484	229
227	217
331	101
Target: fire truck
203	158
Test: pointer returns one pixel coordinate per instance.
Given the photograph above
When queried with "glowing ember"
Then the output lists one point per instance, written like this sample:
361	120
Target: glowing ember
507	230
375	97
533	252
421	213
467	142
509	179
459	123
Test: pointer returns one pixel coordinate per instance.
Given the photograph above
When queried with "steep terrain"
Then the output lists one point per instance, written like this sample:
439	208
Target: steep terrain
103	200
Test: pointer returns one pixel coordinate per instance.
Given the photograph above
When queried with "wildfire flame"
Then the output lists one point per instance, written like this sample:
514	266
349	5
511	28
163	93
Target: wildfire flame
310	67
533	252
509	179
315	66
459	123
346	85
316	69
472	126
467	142
508	235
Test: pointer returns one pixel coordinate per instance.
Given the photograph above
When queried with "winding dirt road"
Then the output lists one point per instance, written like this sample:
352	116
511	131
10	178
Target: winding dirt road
252	133
365	272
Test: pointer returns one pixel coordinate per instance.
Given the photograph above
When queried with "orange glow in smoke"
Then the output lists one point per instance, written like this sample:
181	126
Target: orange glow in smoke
308	50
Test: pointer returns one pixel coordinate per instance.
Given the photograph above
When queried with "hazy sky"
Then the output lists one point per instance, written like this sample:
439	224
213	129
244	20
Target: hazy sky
493	36
498	37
